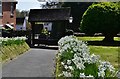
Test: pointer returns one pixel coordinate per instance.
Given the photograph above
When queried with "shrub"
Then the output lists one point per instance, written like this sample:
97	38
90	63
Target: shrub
102	18
12	47
76	61
10	41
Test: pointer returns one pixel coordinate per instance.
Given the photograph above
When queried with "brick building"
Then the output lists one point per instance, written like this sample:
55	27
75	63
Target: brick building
8	12
0	18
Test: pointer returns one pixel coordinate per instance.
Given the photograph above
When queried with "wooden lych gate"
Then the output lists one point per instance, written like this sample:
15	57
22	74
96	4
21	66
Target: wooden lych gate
59	20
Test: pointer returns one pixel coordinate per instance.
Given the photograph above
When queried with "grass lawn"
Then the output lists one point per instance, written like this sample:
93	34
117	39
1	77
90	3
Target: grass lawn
96	38
107	53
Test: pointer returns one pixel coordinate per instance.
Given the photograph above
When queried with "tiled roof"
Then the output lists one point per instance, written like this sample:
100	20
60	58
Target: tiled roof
41	15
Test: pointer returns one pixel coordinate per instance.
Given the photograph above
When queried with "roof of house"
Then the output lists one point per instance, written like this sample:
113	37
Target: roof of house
9	1
47	15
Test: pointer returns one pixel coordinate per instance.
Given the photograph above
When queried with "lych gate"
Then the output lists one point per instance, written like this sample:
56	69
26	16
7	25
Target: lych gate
57	21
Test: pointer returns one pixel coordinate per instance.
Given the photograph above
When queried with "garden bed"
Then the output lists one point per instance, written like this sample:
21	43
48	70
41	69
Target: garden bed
12	47
108	52
67	67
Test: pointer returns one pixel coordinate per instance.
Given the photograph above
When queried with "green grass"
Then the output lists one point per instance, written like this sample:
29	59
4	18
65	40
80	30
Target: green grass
95	38
11	52
107	53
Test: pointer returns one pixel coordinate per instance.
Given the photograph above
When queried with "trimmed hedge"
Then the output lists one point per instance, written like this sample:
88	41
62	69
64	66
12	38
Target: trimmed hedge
103	18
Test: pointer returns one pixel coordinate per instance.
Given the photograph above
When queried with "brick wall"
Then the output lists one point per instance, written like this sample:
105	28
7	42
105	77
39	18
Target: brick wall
0	21
0	13
6	9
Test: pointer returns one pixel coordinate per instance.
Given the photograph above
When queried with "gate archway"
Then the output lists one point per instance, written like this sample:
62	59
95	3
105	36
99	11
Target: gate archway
58	17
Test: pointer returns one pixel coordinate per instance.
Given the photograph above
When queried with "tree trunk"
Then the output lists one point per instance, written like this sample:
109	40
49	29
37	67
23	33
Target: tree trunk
109	38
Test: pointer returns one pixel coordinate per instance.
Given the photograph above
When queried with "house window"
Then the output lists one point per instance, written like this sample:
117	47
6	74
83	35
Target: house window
12	10
0	8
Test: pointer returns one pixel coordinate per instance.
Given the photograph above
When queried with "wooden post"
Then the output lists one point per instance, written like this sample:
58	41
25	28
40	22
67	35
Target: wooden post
33	34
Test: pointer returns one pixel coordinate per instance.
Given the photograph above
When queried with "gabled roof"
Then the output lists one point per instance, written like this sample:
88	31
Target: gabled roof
47	15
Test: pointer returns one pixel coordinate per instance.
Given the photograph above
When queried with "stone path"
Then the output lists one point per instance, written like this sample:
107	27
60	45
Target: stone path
34	63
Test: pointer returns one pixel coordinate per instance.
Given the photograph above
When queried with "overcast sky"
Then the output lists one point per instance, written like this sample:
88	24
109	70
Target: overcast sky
27	4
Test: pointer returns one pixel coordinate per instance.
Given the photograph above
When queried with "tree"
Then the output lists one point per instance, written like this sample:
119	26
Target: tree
17	13
77	10
51	4
22	13
102	18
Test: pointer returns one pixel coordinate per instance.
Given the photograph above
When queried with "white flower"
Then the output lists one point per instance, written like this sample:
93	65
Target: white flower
94	58
68	62
111	68
80	66
60	75
90	76
70	67
72	51
13	38
67	74
66	67
81	55
62	63
82	75
101	74
106	65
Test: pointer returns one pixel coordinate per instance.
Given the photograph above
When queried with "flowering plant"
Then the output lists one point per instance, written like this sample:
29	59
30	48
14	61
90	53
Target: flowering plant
76	60
9	41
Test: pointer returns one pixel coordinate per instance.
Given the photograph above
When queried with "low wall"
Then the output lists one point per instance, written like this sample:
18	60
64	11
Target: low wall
11	52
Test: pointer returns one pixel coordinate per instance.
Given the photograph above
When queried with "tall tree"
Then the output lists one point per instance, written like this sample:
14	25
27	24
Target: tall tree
77	10
22	13
102	18
51	4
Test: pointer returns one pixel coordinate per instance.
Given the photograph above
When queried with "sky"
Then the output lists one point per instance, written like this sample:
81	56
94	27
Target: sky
28	4
35	4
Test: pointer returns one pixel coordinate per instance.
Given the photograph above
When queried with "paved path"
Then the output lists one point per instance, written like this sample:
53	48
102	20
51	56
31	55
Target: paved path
34	63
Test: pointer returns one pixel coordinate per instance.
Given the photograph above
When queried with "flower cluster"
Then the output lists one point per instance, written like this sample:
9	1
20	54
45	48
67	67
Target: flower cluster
76	60
103	67
13	40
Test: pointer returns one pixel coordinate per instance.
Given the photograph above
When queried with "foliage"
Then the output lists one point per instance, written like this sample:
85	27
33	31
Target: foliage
109	53
10	52
103	18
77	10
44	31
10	41
98	38
12	47
76	60
51	4
22	13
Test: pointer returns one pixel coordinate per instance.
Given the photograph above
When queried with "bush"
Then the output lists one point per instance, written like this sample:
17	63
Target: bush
75	60
10	41
69	32
12	47
102	18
